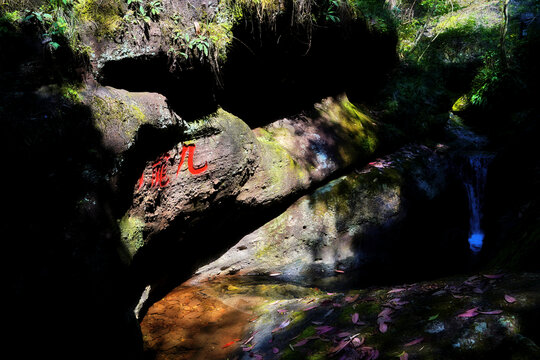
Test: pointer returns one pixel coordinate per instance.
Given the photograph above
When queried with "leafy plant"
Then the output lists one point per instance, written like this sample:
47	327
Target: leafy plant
156	7
200	43
487	79
139	9
331	11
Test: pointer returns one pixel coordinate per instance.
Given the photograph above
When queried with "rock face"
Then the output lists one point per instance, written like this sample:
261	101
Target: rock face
118	31
225	161
296	153
341	225
119	114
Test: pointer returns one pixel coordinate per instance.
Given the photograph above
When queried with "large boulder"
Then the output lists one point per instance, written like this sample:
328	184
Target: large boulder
191	177
119	114
341	225
230	165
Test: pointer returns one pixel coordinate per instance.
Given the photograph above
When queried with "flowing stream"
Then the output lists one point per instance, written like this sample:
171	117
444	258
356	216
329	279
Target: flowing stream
474	179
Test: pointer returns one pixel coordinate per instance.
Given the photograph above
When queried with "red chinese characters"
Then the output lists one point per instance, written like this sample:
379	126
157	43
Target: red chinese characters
160	178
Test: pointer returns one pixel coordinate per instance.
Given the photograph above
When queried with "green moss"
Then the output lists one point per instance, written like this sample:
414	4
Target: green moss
105	14
112	112
131	230
71	93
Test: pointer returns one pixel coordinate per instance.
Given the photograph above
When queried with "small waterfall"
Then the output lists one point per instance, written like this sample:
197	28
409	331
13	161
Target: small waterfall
474	178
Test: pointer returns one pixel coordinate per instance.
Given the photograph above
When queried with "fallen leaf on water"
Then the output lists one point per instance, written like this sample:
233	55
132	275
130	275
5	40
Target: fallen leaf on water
469	313
509	299
492	312
496	276
355	317
414	342
230	343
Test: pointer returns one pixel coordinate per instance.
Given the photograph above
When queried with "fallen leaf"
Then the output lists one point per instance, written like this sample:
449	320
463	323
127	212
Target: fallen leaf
383	327
478	290
400	302
404	356
281	311
509	299
311	307
275	350
492	312
358	341
431	318
374	354
230	343
328	312
353	298
323	329
414	342
282	325
343	334
301	343
396	290
339	271
497	276
385	312
355	317
469	313
340	346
